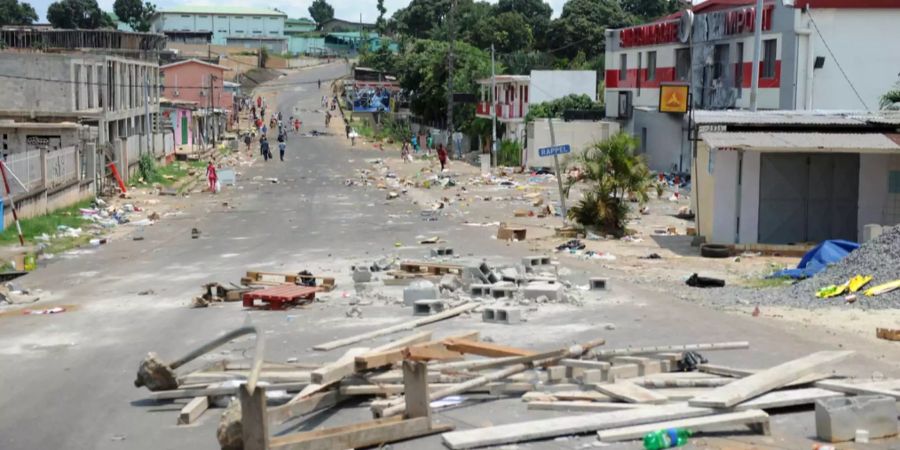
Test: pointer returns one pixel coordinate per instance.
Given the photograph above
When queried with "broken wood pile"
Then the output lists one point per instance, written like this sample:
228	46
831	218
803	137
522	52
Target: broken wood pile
270	287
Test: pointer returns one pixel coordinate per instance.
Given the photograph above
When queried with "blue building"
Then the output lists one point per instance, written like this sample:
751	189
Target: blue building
233	26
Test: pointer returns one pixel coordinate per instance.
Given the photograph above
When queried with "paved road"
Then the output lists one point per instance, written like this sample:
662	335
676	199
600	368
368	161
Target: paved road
68	378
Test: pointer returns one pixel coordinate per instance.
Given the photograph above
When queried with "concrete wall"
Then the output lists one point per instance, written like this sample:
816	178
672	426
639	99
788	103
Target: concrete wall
876	204
749	227
549	85
666	147
703	189
578	134
27	95
725	174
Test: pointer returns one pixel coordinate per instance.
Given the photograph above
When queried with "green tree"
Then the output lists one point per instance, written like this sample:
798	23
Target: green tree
555	108
891	99
536	12
321	11
507	31
647	10
421	18
83	14
611	173
380	24
14	13
582	25
133	12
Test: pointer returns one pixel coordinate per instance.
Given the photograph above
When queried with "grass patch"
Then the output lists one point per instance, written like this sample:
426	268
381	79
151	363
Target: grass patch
167	175
36	226
765	283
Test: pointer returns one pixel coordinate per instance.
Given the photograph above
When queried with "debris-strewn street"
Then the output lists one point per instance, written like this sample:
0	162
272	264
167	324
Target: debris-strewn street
348	278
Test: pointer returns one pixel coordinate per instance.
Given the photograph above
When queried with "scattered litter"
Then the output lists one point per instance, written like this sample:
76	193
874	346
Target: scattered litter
697	281
35	312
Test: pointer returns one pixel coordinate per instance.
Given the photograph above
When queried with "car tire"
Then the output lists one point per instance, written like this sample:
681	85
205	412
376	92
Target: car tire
715	251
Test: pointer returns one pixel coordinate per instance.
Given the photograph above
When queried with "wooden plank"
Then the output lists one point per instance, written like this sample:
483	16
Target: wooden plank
857	389
888	334
766	380
749	417
585	364
254	423
193	410
374	433
315	402
344	366
430	352
568	425
377	357
277	376
567	395
685	383
394	354
630	392
682	394
415	390
399	327
469	365
583	406
609	353
218	390
783	399
485	348
741	373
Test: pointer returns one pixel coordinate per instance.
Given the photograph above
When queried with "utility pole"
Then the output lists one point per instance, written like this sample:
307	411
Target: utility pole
559	175
212	99
493	109
450	73
149	131
757	38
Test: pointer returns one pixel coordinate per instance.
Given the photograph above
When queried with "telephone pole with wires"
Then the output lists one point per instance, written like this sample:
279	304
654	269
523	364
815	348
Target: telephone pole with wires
450	56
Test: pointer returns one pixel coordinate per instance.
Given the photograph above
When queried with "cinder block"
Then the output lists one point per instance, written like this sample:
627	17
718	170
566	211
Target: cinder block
480	290
598	283
622	371
646	366
553	291
556	373
574	373
427	307
450	282
535	260
488	315
509	316
419	290
361	274
442	251
837	419
593	376
503	290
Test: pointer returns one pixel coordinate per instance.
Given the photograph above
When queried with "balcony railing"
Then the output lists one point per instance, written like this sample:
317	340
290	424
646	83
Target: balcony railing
504	110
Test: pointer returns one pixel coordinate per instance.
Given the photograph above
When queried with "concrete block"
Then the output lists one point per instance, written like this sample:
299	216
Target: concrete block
622	371
441	252
419	290
553	291
361	274
509	316
646	366
427	307
537	260
488	315
837	419
503	290
598	283
480	290
556	373
594	376
510	274
574	373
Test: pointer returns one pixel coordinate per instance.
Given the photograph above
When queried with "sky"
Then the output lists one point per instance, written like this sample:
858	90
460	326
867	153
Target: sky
343	9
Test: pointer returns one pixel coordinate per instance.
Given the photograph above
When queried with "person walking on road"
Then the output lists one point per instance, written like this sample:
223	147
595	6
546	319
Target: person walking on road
247	141
320	84
264	148
211	176
442	156
327	118
281	148
297	124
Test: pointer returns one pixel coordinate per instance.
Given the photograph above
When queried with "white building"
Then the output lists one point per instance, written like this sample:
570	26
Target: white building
514	93
229	25
710	49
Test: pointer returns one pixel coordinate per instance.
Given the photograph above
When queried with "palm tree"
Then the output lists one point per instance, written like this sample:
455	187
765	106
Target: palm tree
891	99
612	172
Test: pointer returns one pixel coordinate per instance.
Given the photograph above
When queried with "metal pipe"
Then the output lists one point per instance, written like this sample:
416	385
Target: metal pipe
757	38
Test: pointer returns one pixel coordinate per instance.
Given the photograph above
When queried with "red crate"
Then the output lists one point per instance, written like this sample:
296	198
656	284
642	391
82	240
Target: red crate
278	296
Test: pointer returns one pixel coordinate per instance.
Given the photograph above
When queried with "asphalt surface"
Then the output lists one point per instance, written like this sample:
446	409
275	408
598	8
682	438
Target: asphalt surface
67	378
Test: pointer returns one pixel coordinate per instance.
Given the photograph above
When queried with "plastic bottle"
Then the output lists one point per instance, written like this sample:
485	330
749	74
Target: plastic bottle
672	437
823	447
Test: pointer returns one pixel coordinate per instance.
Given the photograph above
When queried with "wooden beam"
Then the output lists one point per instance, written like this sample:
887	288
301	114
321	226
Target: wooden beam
485	348
749	417
588	396
857	389
784	399
585	364
630	392
741	373
415	389
254	423
609	353
583	406
381	357
430	352
684	383
399	327
567	425
193	410
367	434
363	361
334	372
283	413
766	380
218	390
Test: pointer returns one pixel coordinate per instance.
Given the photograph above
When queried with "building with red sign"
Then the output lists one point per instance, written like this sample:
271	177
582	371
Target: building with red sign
815	54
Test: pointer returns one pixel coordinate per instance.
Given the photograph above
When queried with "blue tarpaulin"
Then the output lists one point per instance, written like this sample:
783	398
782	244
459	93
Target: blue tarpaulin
828	252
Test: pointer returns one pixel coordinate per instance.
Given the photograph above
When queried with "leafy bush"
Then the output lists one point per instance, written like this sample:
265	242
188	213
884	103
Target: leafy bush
509	154
147	168
556	107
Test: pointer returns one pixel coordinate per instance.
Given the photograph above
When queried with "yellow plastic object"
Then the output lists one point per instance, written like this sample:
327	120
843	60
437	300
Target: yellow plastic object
882	288
832	290
30	262
857	282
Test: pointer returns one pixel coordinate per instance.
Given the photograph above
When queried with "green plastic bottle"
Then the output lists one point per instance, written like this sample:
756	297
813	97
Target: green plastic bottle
672	437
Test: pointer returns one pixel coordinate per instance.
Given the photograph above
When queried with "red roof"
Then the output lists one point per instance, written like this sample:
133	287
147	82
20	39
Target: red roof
716	5
860	4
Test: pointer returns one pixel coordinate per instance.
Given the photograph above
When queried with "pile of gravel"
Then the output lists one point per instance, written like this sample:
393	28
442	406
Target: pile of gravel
879	257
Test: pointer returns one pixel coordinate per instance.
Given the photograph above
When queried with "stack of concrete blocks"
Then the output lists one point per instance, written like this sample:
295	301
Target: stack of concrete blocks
839	418
480	290
645	366
419	290
503	289
501	314
442	252
551	290
532	262
428	307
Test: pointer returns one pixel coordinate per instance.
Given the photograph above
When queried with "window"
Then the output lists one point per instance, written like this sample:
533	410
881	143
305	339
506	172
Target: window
273	32
238	17
273	18
257	18
257	32
739	68
623	66
768	62
894	182
186	16
223	31
651	66
682	64
239	31
720	60
203	17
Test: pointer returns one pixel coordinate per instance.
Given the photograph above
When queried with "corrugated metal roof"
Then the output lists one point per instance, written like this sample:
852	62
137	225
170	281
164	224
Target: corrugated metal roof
802	142
222	10
734	117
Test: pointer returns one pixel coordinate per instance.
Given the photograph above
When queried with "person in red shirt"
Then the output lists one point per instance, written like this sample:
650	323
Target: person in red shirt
442	156
297	125
211	176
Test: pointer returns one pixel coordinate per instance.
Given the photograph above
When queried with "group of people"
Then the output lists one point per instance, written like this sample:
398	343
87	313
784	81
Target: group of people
413	143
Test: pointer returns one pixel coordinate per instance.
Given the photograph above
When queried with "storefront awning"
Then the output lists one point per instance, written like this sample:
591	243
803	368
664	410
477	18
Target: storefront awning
769	142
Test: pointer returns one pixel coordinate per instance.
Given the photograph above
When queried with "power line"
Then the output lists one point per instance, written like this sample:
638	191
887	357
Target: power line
836	62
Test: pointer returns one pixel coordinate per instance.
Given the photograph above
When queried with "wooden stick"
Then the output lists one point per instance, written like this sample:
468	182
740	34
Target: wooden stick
609	353
583	406
749	417
484	348
281	414
220	390
193	410
384	356
399	327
